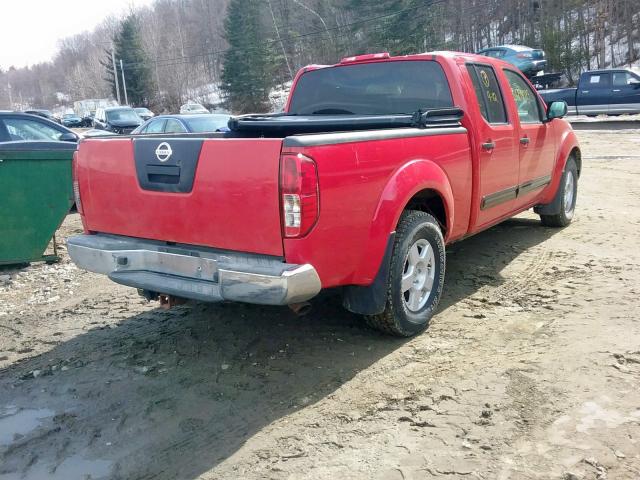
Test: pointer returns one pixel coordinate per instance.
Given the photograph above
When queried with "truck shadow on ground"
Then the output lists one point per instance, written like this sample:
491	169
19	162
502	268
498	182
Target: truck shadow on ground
173	394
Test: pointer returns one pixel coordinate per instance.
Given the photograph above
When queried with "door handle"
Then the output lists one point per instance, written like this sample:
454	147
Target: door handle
524	140
585	91
489	145
616	90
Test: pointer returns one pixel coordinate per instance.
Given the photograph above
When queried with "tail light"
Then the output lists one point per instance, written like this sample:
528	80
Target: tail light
76	184
524	55
299	193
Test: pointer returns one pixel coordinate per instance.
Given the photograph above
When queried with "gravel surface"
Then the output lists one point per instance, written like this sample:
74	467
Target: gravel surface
530	370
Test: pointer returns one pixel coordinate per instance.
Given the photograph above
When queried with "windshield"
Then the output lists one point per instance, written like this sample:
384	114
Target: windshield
372	89
207	124
123	115
142	110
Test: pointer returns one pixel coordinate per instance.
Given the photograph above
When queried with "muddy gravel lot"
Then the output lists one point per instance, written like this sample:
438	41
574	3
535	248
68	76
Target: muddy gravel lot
530	370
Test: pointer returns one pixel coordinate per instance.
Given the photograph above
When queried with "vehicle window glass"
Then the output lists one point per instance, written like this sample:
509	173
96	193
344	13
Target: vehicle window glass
526	101
488	92
621	79
599	80
174	126
210	123
21	129
154	127
123	115
372	89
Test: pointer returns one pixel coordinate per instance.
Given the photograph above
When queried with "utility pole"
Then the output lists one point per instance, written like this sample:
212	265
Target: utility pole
284	52
115	73
124	84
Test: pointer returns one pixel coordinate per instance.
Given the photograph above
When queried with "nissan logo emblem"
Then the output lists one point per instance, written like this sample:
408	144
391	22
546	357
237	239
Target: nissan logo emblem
163	152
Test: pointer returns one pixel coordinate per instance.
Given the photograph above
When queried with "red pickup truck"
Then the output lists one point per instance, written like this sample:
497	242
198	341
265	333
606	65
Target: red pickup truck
375	165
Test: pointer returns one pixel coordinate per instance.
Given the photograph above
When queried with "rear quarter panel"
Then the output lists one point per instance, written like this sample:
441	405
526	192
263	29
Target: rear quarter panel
364	186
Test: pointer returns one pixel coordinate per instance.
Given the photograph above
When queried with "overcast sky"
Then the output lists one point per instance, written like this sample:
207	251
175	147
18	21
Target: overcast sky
30	29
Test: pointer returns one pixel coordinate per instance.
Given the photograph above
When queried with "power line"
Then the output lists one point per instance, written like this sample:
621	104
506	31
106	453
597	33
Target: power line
429	3
185	59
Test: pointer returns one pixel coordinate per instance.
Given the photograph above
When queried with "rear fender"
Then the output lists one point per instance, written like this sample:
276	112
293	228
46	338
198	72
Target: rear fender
406	182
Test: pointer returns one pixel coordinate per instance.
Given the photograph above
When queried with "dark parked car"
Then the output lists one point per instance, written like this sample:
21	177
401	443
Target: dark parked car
145	113
185	124
42	113
22	126
87	119
530	61
121	120
71	120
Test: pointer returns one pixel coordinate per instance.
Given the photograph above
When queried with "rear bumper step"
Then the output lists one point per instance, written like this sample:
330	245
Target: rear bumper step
194	272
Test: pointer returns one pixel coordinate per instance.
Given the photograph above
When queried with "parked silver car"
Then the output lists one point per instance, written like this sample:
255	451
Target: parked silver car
190	108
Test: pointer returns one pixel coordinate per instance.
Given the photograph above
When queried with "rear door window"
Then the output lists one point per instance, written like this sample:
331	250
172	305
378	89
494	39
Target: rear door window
488	93
381	88
598	80
155	126
174	126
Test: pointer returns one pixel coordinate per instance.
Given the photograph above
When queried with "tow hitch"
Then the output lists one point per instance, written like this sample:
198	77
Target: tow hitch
166	301
169	301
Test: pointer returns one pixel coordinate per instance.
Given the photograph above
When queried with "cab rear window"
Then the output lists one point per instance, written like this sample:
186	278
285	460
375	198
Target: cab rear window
372	89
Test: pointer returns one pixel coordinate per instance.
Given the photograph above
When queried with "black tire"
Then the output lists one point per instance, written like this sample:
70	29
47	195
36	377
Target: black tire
398	318
567	211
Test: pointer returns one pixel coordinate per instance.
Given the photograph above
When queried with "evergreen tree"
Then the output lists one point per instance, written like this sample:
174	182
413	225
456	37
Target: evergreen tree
405	26
249	61
137	73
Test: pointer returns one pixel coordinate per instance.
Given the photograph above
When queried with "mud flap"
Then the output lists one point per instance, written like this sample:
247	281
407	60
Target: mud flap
371	300
553	208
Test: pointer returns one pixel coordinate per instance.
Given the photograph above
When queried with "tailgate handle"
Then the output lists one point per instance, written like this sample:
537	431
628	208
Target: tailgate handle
163	174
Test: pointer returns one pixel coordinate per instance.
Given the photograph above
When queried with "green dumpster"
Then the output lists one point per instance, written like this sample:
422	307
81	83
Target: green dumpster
36	189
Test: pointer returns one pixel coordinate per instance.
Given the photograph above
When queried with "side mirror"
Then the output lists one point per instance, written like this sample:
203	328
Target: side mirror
68	137
557	110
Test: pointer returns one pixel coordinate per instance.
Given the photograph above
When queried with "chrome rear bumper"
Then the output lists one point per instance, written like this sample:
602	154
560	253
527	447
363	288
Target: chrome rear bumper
194	272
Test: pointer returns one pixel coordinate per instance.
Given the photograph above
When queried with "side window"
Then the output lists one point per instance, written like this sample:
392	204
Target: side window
174	126
622	79
598	80
488	93
526	101
21	129
155	127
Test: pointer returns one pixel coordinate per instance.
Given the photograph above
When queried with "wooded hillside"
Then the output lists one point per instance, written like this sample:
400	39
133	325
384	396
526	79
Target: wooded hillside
185	44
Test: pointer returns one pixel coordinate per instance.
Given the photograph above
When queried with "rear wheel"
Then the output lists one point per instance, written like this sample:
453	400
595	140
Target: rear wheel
567	194
416	276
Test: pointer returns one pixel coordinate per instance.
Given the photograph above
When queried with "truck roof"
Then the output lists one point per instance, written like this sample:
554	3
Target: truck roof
384	56
608	70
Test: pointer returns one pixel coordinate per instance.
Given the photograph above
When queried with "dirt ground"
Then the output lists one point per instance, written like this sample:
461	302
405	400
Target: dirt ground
530	370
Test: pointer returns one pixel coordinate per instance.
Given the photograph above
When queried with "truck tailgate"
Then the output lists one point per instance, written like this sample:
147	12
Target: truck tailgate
220	193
